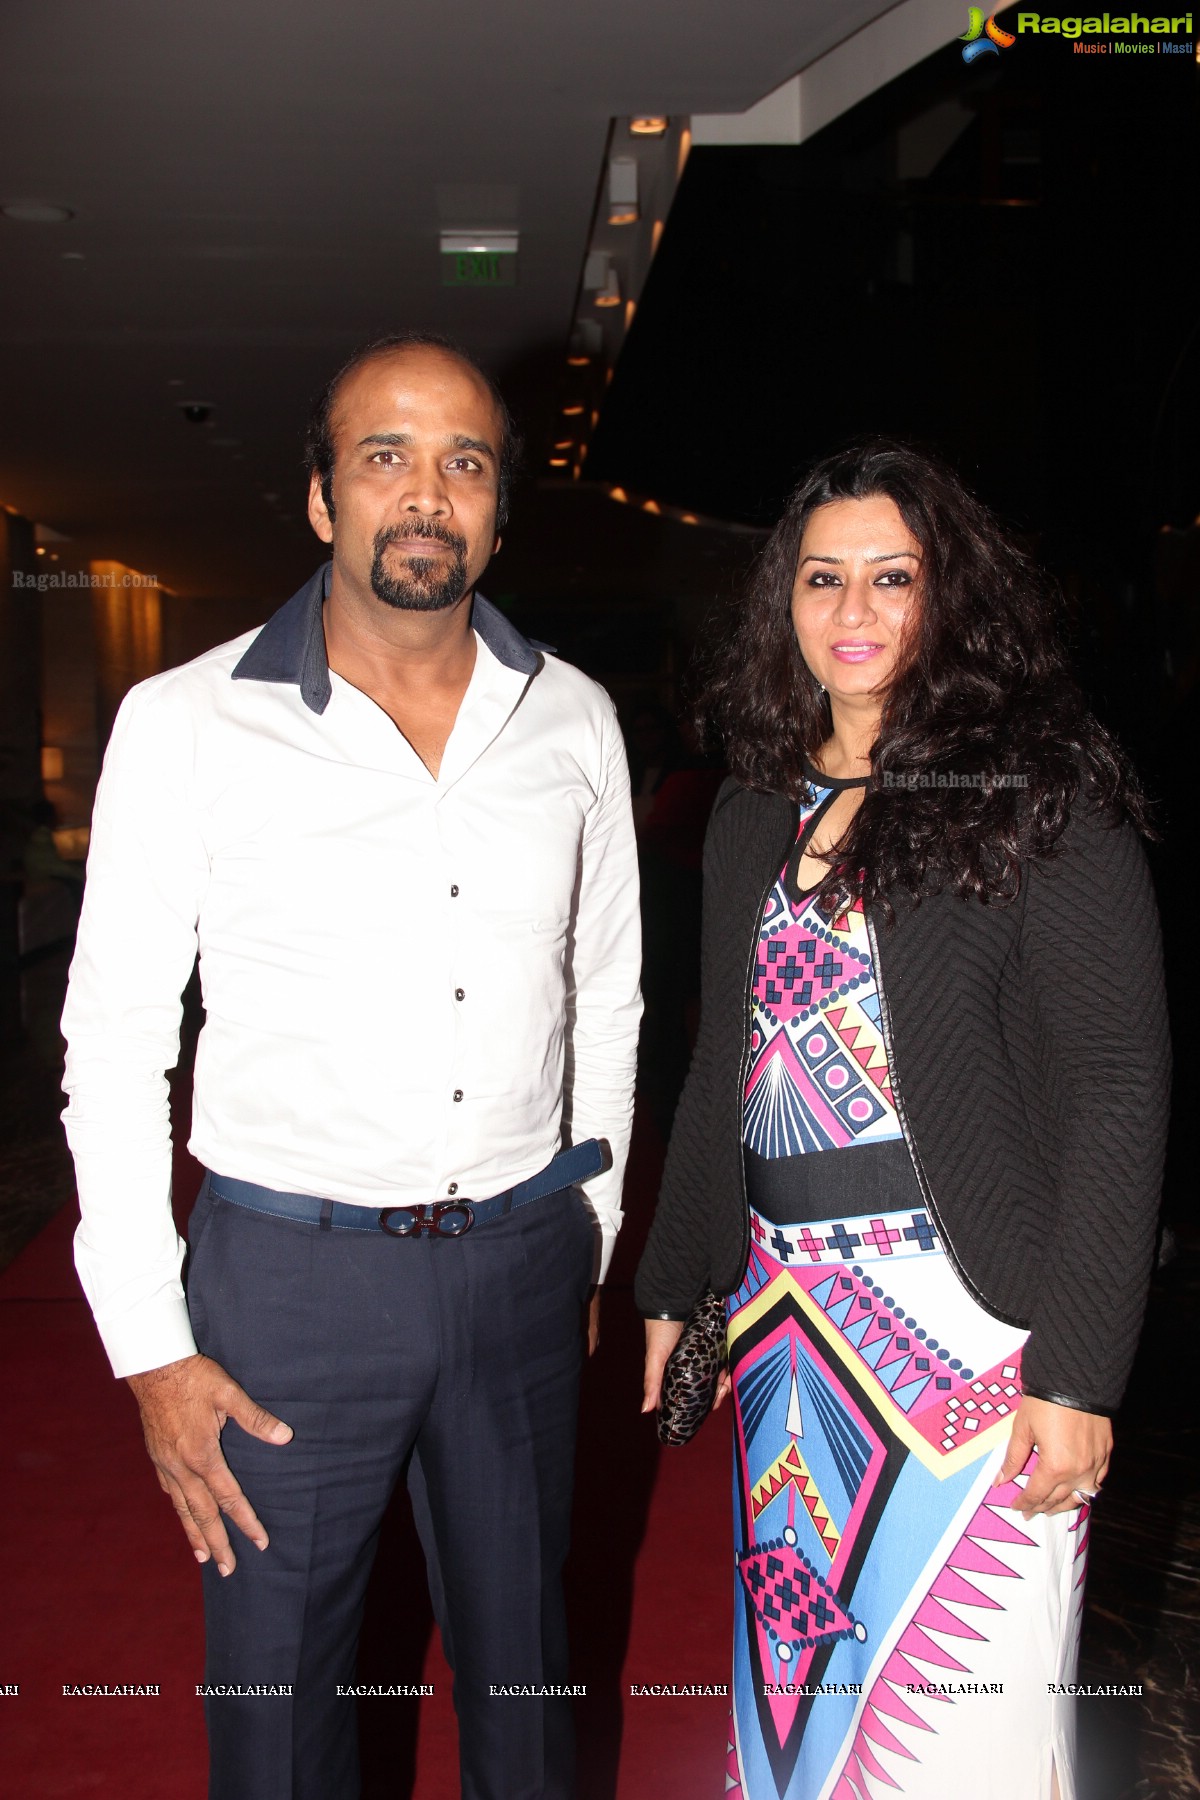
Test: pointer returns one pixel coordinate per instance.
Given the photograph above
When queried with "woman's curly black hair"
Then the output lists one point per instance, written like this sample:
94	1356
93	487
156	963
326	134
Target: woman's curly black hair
983	699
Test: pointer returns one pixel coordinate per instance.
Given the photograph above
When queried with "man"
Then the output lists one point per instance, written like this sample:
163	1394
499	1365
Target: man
401	838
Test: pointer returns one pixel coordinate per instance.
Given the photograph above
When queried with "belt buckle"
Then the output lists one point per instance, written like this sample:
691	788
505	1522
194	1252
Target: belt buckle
427	1219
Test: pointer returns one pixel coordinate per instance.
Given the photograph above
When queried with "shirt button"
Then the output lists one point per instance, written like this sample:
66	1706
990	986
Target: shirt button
458	1093
452	1187
460	993
454	890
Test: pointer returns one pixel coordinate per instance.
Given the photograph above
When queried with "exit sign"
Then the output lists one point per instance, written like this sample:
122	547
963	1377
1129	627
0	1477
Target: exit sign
479	268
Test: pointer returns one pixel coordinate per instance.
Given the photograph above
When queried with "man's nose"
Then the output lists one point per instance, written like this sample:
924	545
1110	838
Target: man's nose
425	490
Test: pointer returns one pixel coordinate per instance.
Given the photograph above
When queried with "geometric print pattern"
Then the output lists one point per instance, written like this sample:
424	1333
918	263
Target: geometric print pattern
936	1401
872	1403
818	1077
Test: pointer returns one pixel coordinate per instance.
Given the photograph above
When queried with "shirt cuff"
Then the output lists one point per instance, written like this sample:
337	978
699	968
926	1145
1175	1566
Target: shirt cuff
153	1334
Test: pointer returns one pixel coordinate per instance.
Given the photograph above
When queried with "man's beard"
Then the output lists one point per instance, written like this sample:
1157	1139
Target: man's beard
428	583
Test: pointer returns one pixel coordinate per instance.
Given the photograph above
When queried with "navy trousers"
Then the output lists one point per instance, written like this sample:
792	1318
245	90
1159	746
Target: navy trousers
454	1361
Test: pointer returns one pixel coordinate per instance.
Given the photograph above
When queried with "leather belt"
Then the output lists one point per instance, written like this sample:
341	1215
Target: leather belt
436	1218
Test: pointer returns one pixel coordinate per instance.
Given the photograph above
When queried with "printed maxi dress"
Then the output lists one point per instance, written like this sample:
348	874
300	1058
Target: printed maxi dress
899	1630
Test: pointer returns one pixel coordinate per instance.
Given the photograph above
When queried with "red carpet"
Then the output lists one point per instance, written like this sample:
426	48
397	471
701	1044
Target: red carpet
99	1586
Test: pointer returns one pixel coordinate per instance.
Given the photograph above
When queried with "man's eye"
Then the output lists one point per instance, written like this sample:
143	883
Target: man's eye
464	462
385	458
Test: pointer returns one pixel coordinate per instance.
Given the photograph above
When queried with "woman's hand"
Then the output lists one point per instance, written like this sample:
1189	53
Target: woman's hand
662	1335
1073	1450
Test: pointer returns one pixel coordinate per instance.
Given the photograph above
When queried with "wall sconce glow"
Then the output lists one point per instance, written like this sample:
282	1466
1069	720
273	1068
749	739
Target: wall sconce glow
688	519
623	190
573	410
651	506
558	462
578	362
653	125
565	444
618	494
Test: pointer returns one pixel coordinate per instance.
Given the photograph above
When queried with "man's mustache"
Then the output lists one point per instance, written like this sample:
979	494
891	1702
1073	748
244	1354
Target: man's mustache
428	529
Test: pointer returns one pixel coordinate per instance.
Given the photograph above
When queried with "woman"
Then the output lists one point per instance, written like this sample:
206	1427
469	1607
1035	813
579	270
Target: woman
919	1146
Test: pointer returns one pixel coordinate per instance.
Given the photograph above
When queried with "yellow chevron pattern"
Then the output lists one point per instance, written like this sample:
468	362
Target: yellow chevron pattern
789	1465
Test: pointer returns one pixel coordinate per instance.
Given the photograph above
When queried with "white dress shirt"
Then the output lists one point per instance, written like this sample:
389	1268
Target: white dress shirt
413	988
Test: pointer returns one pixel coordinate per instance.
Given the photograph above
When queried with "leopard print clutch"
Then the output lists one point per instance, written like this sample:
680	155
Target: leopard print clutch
693	1368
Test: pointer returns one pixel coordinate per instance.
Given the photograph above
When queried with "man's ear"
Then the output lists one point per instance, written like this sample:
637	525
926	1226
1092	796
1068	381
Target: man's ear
318	512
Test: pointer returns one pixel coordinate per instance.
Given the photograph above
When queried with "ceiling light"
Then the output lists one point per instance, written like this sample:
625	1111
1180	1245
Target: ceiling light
587	337
36	212
622	190
564	443
609	293
578	362
558	462
573	409
618	493
650	126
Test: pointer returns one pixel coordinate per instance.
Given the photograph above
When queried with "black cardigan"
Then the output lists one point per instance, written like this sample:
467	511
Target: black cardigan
1030	1064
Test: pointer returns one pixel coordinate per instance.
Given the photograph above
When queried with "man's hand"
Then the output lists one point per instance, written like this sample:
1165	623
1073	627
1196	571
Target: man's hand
593	1321
184	1406
1073	1450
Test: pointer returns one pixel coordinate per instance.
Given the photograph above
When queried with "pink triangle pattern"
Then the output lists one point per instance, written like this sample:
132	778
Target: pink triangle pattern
988	1526
733	1779
1081	1525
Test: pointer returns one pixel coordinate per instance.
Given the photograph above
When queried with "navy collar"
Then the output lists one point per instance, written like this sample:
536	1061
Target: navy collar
291	645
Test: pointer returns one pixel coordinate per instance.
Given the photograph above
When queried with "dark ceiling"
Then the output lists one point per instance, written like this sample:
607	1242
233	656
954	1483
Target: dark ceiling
256	189
1025	299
